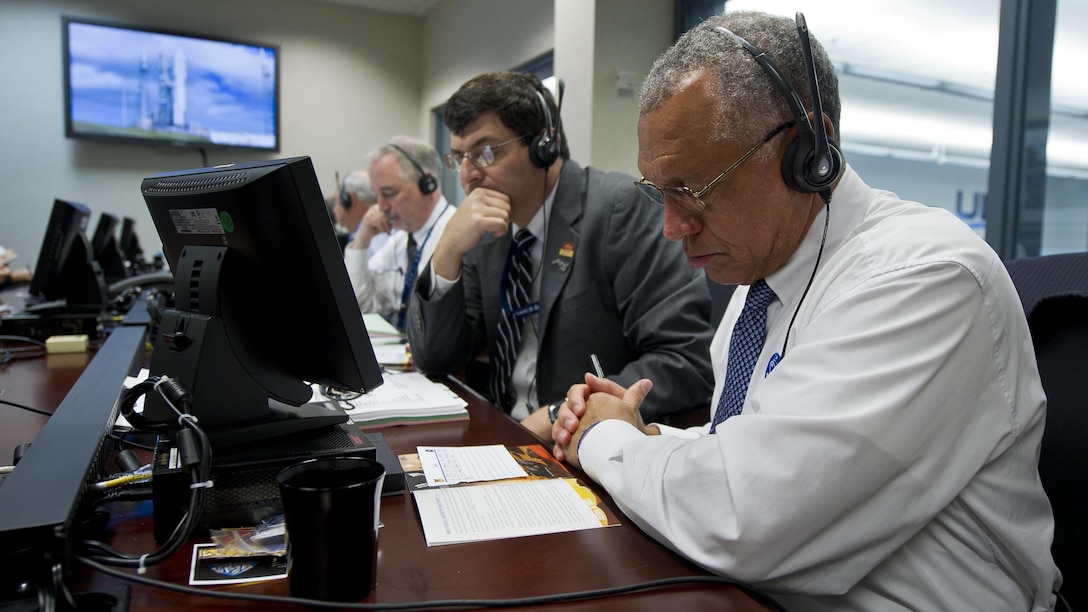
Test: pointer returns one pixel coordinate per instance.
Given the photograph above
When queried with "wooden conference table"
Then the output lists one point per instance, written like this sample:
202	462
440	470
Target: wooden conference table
408	571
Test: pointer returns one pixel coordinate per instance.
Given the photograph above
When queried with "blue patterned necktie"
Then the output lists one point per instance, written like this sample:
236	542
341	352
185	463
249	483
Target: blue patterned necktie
744	348
409	278
516	305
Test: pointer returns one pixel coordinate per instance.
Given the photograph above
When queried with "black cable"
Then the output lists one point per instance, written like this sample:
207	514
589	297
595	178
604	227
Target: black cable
121	437
36	348
1063	604
142	281
200	471
135	492
663	583
22	407
59	586
826	195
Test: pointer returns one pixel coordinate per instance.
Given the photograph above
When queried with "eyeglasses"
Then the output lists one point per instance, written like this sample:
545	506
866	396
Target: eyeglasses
481	157
693	200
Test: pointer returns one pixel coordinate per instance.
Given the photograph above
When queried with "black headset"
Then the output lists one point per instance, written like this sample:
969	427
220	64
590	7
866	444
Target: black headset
811	162
345	197
544	148
427	182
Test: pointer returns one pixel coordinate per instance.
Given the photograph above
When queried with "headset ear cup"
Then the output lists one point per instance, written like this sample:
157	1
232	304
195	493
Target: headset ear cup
345	197
798	165
427	183
793	167
835	158
543	150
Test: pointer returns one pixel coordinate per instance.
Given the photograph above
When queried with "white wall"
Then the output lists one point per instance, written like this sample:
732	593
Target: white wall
464	38
620	23
575	63
595	40
350	80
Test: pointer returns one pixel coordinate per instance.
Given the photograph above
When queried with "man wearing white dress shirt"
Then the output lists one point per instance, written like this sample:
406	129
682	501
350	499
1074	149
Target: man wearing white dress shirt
411	209
882	453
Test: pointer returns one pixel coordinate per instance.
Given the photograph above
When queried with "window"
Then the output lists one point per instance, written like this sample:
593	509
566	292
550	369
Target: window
918	119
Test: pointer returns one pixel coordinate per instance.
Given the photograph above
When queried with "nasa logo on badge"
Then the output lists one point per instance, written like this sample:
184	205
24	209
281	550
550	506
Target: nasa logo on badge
772	363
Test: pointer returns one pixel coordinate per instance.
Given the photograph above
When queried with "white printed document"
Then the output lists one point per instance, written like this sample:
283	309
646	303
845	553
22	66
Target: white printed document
445	465
494	500
403	399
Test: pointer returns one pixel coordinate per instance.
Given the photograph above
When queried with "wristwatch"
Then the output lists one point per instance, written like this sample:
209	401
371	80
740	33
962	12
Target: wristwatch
553	412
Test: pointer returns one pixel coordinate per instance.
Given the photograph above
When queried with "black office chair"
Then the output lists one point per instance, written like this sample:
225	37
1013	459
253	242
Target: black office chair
1054	292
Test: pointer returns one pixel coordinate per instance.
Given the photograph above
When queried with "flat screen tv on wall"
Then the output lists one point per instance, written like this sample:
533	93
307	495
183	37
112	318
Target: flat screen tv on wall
137	84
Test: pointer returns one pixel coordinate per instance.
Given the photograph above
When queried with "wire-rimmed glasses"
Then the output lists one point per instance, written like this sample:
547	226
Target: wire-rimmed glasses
481	157
693	199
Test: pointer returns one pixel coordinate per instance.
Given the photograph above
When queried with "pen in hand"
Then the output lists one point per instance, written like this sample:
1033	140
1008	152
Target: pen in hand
596	365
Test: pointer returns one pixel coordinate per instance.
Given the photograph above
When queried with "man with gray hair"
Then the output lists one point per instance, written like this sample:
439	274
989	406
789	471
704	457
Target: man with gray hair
410	207
350	202
876	439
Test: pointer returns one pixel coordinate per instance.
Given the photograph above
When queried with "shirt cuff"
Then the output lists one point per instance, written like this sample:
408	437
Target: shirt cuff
440	286
599	445
356	256
689	433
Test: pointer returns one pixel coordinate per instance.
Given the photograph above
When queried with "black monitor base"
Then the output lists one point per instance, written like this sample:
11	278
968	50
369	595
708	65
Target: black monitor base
61	307
285	420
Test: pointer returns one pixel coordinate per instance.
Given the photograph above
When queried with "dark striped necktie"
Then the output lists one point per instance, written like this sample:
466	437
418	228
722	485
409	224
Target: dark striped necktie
516	305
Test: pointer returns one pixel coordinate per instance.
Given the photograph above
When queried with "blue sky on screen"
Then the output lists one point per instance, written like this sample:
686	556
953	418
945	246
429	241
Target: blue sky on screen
230	87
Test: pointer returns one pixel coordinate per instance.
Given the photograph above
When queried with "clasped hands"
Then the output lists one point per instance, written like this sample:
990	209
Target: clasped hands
599	399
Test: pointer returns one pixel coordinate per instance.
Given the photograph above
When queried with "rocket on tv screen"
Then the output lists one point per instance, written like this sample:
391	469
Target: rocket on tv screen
125	83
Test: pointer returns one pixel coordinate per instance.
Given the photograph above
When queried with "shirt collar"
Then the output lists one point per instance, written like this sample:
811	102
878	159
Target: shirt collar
538	224
847	209
421	234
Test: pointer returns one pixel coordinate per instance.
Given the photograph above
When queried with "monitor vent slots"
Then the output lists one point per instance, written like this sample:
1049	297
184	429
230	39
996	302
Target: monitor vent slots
194	285
198	184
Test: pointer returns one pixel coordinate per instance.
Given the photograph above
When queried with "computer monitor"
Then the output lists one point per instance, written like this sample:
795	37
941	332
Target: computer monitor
263	306
130	247
106	228
67	277
106	250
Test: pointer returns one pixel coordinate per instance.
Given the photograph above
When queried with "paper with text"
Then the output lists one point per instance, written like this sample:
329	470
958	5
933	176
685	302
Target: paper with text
404	398
510	509
445	465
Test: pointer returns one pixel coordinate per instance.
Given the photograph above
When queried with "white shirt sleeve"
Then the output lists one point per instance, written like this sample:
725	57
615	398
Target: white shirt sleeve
440	286
845	451
378	280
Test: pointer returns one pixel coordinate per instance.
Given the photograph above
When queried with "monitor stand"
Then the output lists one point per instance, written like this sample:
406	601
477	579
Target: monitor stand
61	307
81	287
235	395
285	420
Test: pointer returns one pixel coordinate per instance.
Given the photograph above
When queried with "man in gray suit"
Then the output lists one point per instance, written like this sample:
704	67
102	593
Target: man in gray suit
603	280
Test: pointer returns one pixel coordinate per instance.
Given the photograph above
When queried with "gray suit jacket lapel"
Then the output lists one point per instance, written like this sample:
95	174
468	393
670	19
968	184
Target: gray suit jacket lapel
561	246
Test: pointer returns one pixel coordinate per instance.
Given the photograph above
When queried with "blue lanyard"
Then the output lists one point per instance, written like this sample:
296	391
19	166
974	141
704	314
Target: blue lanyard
410	277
